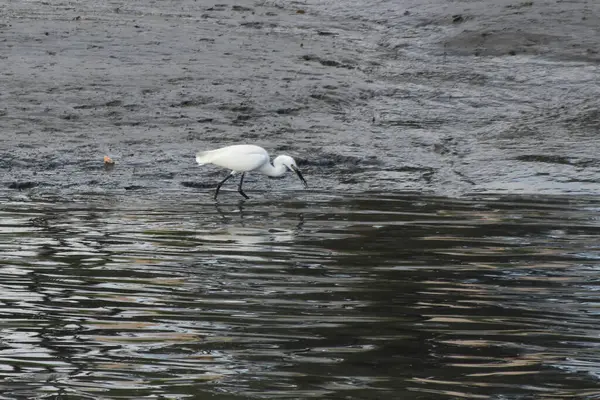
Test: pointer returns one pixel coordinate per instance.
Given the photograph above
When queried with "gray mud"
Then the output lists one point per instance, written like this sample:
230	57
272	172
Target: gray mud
449	98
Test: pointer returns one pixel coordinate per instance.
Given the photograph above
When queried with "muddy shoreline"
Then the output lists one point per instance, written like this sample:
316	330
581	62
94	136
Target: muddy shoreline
450	99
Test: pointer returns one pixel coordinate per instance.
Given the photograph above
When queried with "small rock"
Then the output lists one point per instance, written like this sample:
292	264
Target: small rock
457	18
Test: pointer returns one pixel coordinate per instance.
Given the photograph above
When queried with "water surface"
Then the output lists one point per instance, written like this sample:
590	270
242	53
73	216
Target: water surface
339	295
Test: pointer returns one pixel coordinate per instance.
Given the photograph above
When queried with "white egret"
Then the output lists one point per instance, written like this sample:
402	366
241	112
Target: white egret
245	158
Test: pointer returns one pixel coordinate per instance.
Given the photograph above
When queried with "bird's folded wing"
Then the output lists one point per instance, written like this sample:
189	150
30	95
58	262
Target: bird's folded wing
234	158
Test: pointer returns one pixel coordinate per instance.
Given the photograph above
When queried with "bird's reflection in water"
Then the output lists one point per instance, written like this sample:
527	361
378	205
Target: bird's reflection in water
300	222
229	214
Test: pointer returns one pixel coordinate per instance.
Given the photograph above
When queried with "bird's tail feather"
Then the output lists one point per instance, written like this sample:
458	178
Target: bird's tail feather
204	157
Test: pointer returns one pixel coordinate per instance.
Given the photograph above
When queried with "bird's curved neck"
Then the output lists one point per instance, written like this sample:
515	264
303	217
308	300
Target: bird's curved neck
273	170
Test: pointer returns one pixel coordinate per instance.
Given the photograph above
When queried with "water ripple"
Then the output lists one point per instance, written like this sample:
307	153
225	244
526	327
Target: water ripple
377	294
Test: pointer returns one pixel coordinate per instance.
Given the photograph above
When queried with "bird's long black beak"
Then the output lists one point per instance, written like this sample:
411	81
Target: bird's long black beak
297	171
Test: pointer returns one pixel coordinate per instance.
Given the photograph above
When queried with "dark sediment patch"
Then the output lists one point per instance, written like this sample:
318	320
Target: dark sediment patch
241	8
195	102
255	24
326	33
326	62
133	187
242	118
198	185
22	185
288	111
500	43
113	103
238	108
544	158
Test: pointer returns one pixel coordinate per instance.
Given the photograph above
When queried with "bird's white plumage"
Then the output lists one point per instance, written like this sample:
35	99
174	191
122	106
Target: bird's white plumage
238	158
245	158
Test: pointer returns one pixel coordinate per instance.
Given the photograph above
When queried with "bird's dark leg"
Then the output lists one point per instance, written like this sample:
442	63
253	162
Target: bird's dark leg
240	186
221	184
